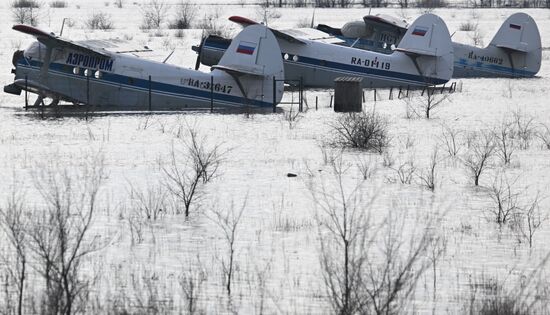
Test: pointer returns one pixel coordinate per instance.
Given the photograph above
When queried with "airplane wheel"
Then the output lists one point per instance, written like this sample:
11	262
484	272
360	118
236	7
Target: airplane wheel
46	101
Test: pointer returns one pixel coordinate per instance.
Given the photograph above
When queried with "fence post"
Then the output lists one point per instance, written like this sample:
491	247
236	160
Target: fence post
211	93
391	93
150	93
300	95
330	104
316	102
274	95
26	93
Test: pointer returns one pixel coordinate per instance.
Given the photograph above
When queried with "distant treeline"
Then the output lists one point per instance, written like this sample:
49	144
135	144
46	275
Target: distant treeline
409	3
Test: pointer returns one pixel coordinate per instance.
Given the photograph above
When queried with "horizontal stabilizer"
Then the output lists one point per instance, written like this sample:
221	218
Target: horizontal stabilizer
239	70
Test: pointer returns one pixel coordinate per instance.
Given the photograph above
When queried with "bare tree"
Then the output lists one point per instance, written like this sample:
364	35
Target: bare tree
342	214
524	128
478	157
428	176
150	202
432	101
367	267
531	220
504	141
14	222
505	198
184	15
200	165
544	135
228	221
58	236
26	12
154	12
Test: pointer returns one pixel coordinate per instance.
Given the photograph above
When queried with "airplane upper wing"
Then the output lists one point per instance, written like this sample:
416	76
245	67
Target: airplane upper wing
281	34
56	41
386	19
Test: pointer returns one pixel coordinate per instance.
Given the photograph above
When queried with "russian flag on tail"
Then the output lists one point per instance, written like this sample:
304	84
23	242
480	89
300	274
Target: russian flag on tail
515	26
420	31
246	48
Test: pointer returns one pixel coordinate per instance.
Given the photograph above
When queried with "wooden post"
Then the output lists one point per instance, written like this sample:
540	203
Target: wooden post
363	92
330	104
211	93
408	90
442	88
316	102
375	95
300	96
391	93
149	92
87	93
26	93
274	95
400	93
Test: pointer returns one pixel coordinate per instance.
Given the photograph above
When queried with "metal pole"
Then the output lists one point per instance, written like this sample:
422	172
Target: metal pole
274	94
391	93
211	93
408	90
301	96
150	92
374	95
26	93
330	104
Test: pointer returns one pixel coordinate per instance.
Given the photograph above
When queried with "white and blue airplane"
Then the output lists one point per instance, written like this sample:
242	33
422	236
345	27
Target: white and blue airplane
515	50
249	74
423	57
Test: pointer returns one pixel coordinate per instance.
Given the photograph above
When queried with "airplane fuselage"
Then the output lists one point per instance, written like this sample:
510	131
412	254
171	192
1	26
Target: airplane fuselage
124	81
317	64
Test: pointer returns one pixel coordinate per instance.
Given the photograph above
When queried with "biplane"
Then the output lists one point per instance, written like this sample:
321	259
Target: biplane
423	57
249	73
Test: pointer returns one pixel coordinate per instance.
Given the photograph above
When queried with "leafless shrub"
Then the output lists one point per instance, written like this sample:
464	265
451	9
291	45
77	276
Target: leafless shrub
303	23
477	37
544	135
367	267
405	171
524	129
228	222
504	142
366	167
388	160
477	159
366	130
530	220
428	176
468	26
504	197
209	23
153	14
450	139
136	224
119	3
292	117
99	21
58	236
191	282
26	12
184	15
149	203
58	4
200	165
14	222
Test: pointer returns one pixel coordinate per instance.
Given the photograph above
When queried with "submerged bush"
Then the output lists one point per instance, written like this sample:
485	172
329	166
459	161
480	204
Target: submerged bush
366	131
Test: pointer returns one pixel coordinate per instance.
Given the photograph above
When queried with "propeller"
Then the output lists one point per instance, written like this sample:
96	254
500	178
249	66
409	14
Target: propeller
198	50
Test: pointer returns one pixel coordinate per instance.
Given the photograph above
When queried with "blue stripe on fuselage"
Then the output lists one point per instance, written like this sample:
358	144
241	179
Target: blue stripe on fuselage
349	68
493	69
143	85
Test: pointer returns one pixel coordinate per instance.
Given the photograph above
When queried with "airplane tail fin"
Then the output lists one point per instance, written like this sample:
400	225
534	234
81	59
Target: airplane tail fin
254	60
519	36
428	42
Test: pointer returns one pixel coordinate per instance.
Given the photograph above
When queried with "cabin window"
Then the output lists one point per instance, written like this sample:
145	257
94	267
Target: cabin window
87	72
98	74
286	56
295	58
76	70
